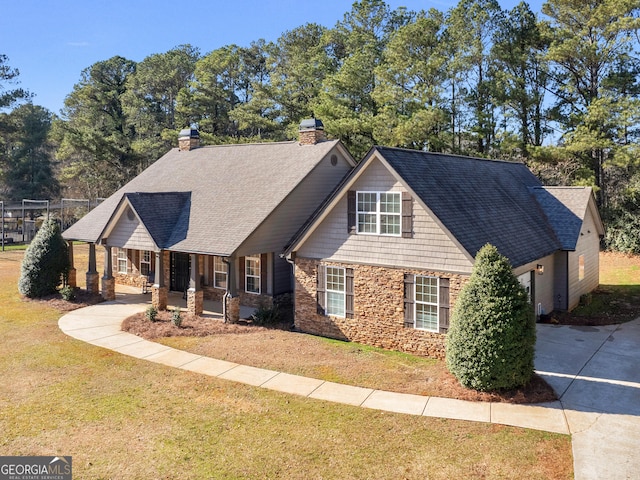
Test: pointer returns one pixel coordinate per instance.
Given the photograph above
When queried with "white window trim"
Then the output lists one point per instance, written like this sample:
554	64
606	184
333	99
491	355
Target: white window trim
223	272
255	258
343	292
378	213
119	258
416	303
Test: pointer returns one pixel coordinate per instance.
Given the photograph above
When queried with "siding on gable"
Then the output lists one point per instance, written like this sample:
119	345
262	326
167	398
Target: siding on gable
430	247
130	234
589	246
295	210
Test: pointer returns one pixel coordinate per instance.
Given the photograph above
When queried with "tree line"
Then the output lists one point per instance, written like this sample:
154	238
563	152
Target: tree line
556	89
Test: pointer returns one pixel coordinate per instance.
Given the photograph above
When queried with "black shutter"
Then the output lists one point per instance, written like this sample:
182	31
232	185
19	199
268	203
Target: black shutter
349	292
351	212
407	215
409	286
443	314
320	290
263	273
243	280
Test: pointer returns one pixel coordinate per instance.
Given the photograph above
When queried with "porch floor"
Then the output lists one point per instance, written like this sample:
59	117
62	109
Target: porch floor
174	300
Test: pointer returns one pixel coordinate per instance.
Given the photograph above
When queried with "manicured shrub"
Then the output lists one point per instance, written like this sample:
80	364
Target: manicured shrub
151	313
45	262
492	335
68	293
176	319
265	315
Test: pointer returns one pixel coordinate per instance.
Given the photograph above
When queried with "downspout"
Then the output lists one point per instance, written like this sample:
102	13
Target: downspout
227	295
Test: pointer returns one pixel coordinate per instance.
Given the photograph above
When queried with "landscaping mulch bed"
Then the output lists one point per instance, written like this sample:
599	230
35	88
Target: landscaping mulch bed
279	348
82	299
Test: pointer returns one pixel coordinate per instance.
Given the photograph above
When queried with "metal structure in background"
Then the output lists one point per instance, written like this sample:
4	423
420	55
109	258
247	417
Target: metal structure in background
83	201
31	202
15	228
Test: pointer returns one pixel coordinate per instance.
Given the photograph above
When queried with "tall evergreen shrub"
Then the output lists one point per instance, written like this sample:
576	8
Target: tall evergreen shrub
491	339
45	262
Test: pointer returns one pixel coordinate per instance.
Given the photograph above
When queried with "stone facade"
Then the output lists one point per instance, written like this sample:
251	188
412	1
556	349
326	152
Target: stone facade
254	300
311	136
378	308
159	297
108	288
232	309
93	282
195	302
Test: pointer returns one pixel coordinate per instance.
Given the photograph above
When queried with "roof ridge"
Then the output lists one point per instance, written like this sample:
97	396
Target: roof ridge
455	155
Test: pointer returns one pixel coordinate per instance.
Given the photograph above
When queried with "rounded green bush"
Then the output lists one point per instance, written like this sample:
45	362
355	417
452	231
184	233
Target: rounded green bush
492	335
45	262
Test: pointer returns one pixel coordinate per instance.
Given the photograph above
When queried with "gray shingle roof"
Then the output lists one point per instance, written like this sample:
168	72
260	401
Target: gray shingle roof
565	208
233	189
479	201
172	225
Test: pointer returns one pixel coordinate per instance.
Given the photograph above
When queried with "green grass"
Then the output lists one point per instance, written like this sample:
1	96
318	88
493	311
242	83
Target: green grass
124	418
617	299
9	247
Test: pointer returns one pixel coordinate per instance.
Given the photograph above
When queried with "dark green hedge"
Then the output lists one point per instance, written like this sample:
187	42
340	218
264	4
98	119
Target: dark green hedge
45	263
491	340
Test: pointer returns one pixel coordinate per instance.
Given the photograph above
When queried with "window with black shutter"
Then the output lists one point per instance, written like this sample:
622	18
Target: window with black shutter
320	290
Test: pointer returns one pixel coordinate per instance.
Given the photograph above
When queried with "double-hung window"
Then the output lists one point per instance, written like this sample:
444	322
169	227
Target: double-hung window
252	274
379	213
219	273
335	289
426	303
122	260
145	262
335	292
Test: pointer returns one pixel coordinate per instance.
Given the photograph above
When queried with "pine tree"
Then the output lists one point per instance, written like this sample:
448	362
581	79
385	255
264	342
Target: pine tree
491	341
45	262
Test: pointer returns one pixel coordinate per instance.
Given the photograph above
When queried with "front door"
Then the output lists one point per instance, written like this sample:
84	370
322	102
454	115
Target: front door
180	263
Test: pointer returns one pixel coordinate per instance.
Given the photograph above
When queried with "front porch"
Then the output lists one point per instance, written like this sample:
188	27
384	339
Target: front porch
101	279
211	308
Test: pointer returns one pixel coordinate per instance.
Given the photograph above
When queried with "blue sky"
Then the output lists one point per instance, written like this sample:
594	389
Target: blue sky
51	41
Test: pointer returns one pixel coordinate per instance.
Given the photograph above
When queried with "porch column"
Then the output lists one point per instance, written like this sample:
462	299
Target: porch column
195	295
92	273
108	282
159	291
71	275
231	300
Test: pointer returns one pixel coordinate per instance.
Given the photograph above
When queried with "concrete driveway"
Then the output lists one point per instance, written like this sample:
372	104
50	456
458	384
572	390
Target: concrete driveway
596	373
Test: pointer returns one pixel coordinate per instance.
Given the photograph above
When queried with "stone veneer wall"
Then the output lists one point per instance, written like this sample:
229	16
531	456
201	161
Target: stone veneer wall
378	308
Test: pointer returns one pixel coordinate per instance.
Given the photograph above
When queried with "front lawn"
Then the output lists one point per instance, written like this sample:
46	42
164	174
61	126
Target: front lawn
124	418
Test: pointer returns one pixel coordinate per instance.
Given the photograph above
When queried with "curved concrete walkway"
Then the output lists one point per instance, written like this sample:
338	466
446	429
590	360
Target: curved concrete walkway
601	412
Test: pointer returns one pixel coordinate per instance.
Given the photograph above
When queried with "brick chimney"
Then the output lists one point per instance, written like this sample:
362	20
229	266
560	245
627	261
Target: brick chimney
311	132
188	139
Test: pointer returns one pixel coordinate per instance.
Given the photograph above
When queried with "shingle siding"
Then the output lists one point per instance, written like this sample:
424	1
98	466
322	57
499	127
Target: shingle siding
130	234
588	245
430	247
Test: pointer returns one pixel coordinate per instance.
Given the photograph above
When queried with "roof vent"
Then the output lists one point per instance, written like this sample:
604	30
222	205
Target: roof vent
311	131
188	139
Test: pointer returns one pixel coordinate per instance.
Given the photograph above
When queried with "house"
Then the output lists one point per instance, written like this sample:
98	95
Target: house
211	221
383	261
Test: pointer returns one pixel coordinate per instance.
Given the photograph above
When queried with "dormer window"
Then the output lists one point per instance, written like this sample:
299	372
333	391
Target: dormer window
379	213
